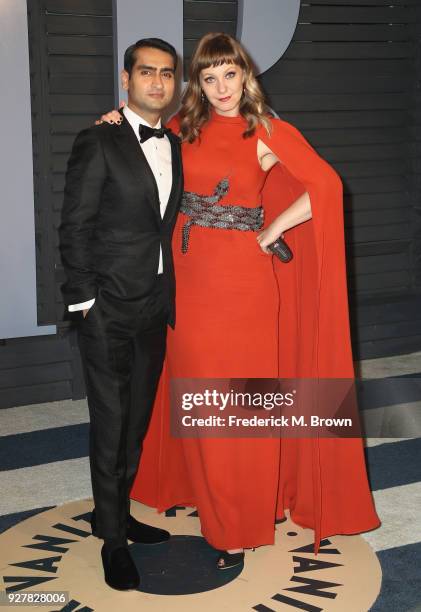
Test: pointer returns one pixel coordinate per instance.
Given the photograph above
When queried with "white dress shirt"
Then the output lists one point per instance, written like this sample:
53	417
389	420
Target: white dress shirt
158	155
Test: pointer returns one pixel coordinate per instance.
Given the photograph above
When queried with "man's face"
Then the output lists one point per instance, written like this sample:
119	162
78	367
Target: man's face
150	86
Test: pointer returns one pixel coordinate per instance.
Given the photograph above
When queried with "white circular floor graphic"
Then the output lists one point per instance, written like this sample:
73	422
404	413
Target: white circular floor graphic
55	551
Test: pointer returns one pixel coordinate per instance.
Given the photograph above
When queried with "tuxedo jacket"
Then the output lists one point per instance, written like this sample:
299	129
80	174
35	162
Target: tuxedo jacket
111	228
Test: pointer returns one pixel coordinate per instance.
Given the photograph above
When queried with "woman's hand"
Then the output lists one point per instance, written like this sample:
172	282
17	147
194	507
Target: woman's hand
298	212
269	235
111	117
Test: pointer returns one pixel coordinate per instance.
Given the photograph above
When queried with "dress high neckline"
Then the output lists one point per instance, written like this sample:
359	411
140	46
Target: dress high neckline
225	119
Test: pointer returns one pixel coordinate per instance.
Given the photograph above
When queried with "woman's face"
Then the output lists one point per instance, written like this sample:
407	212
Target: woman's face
223	87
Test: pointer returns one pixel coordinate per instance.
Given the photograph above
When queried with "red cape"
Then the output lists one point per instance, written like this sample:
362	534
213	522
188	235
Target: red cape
314	331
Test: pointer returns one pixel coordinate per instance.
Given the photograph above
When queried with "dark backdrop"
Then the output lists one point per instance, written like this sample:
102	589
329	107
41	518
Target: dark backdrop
349	81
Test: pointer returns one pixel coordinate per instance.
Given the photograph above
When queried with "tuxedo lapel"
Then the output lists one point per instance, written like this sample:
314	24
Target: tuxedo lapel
128	144
177	178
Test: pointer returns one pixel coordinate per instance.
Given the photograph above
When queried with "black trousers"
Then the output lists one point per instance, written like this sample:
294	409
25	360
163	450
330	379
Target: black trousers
121	372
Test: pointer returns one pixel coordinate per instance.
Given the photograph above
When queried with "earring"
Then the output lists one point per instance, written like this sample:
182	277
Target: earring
203	97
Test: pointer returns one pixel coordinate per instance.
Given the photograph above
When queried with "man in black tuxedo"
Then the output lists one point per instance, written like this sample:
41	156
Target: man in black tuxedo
123	189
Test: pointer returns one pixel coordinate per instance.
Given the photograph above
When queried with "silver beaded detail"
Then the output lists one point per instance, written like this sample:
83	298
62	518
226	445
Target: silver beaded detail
205	212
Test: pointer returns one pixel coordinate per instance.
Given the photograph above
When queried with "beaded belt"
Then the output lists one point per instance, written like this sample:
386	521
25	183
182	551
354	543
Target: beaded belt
204	211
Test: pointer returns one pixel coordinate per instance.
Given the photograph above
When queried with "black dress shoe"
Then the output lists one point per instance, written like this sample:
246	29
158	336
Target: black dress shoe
137	532
140	533
120	572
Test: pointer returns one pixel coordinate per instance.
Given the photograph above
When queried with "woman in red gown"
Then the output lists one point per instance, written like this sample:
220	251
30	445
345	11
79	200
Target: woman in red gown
241	313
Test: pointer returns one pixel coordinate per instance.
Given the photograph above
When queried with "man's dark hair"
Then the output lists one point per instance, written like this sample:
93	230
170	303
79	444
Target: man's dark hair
154	43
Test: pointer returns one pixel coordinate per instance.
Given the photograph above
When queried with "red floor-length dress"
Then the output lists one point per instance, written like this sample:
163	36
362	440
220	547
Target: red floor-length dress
240	314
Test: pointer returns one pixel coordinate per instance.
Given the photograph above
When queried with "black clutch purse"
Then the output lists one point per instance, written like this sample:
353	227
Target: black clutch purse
281	250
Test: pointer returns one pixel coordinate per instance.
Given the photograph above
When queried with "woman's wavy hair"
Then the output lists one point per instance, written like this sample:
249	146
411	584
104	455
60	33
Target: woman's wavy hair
215	49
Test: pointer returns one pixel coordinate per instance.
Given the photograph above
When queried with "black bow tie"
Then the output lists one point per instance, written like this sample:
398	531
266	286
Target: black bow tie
146	132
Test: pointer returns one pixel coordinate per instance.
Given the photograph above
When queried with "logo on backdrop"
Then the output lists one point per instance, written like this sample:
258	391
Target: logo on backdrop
265	28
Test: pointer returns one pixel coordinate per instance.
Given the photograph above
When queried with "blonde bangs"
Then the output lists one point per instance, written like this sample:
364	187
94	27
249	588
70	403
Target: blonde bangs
215	52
